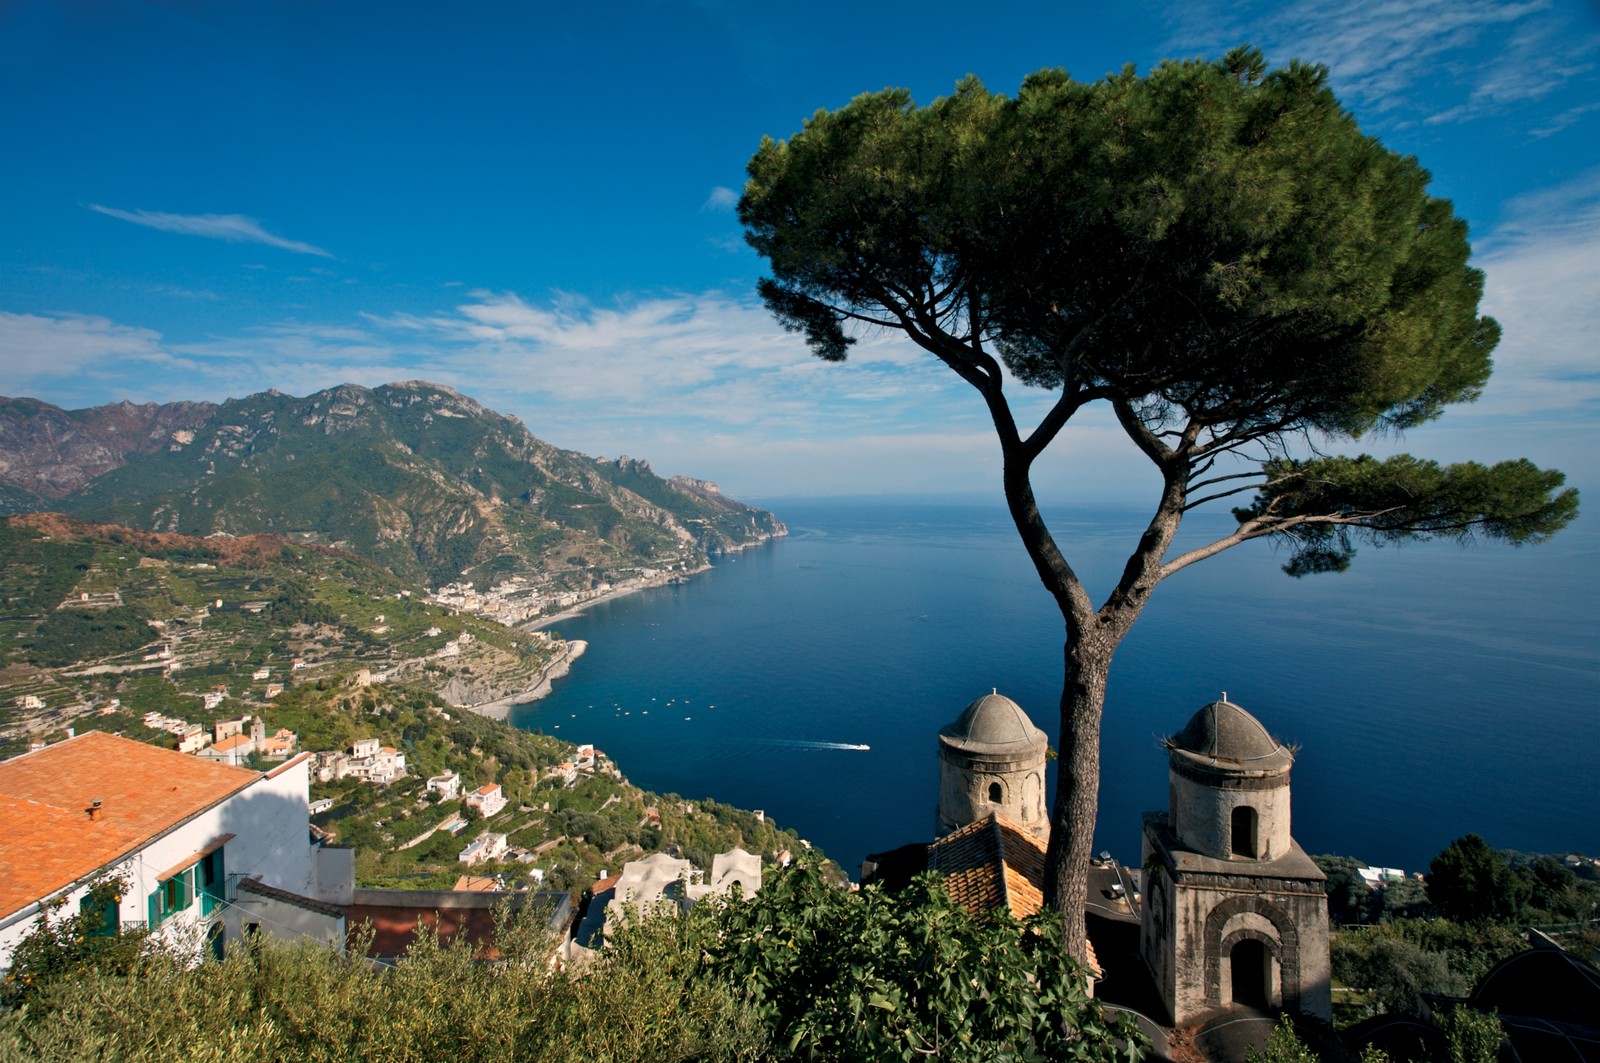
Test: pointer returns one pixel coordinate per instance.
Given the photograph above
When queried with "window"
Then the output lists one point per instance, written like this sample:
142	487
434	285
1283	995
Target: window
100	916
172	896
212	882
995	795
1244	832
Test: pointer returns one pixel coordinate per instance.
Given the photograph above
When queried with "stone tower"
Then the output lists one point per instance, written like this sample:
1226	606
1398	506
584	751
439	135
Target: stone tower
992	760
1234	910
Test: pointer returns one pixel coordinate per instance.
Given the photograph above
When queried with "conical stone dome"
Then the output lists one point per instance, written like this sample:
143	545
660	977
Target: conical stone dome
993	724
1224	737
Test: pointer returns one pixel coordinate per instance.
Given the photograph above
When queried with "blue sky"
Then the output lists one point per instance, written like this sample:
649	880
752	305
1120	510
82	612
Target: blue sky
533	204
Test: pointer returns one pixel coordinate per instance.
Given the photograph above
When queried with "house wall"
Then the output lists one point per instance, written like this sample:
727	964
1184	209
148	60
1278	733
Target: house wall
278	919
268	821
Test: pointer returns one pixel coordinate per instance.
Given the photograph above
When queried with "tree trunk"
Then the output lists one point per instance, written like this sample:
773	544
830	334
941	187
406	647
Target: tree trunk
1077	800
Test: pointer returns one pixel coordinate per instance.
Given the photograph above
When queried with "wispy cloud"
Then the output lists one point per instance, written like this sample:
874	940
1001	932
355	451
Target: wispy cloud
1542	268
1437	60
234	228
721	198
69	355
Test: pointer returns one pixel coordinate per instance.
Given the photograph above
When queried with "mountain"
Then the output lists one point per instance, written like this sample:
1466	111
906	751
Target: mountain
415	476
47	452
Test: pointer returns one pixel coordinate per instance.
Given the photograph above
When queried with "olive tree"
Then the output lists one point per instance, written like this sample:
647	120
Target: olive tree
1213	251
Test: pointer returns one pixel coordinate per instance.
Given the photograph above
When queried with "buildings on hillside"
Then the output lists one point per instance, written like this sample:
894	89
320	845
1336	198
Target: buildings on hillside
208	853
661	882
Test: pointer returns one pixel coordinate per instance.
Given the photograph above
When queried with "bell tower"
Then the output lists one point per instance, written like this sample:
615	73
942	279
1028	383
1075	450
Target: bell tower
991	759
1225	879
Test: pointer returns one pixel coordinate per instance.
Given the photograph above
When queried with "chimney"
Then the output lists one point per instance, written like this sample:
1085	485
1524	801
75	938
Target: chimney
94	810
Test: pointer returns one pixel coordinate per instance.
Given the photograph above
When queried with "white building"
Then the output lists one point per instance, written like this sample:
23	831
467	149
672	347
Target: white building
209	852
485	847
488	799
447	786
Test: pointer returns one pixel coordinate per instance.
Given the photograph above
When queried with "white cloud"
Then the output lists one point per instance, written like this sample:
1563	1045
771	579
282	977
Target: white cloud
1440	60
234	228
1542	270
38	350
721	198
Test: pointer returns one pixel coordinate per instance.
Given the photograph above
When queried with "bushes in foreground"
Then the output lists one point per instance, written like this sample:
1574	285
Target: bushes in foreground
802	970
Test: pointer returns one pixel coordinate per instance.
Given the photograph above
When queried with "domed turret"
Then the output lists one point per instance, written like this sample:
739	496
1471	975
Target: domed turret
991	759
1230	785
1235	913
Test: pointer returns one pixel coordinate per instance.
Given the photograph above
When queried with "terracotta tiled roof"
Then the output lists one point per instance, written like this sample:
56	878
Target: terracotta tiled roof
989	864
994	862
47	839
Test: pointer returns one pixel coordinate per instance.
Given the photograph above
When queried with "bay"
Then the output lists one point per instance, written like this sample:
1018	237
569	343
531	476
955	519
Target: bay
1431	690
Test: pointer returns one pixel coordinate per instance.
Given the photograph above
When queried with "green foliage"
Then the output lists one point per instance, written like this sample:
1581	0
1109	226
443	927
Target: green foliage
811	972
1405	498
305	1002
1210	240
69	636
64	947
1283	1046
1392	964
1352	901
39	573
843	975
400	475
1472	883
1473	1036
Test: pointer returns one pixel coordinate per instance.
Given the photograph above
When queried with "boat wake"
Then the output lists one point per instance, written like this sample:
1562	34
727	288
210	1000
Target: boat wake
795	743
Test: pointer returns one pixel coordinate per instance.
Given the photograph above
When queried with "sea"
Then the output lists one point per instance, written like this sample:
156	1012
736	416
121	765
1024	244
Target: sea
1432	690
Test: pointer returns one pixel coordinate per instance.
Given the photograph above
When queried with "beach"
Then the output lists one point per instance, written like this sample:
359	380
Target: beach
632	587
500	708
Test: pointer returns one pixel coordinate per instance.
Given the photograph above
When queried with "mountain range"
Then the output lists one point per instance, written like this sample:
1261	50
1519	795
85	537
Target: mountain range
415	476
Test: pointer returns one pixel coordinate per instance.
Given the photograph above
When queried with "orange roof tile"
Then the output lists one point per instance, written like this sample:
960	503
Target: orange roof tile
48	841
989	864
231	742
992	863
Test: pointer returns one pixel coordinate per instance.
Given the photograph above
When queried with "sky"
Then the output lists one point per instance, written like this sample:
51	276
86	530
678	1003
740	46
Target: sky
534	204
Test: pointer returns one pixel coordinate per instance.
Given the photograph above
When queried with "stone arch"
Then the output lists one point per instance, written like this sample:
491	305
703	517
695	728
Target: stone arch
997	792
1225	950
1287	947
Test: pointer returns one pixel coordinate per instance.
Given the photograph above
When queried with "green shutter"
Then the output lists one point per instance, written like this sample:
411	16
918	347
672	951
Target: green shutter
100	917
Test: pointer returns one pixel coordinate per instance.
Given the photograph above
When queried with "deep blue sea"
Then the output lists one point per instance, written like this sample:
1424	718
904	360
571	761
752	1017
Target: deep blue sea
1432	689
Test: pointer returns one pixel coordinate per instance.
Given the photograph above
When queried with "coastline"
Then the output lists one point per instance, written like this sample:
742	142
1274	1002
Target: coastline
500	708
617	592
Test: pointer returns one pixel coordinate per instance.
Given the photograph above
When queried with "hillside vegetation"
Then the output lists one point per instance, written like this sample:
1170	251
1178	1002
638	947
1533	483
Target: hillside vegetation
803	970
413	476
100	625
